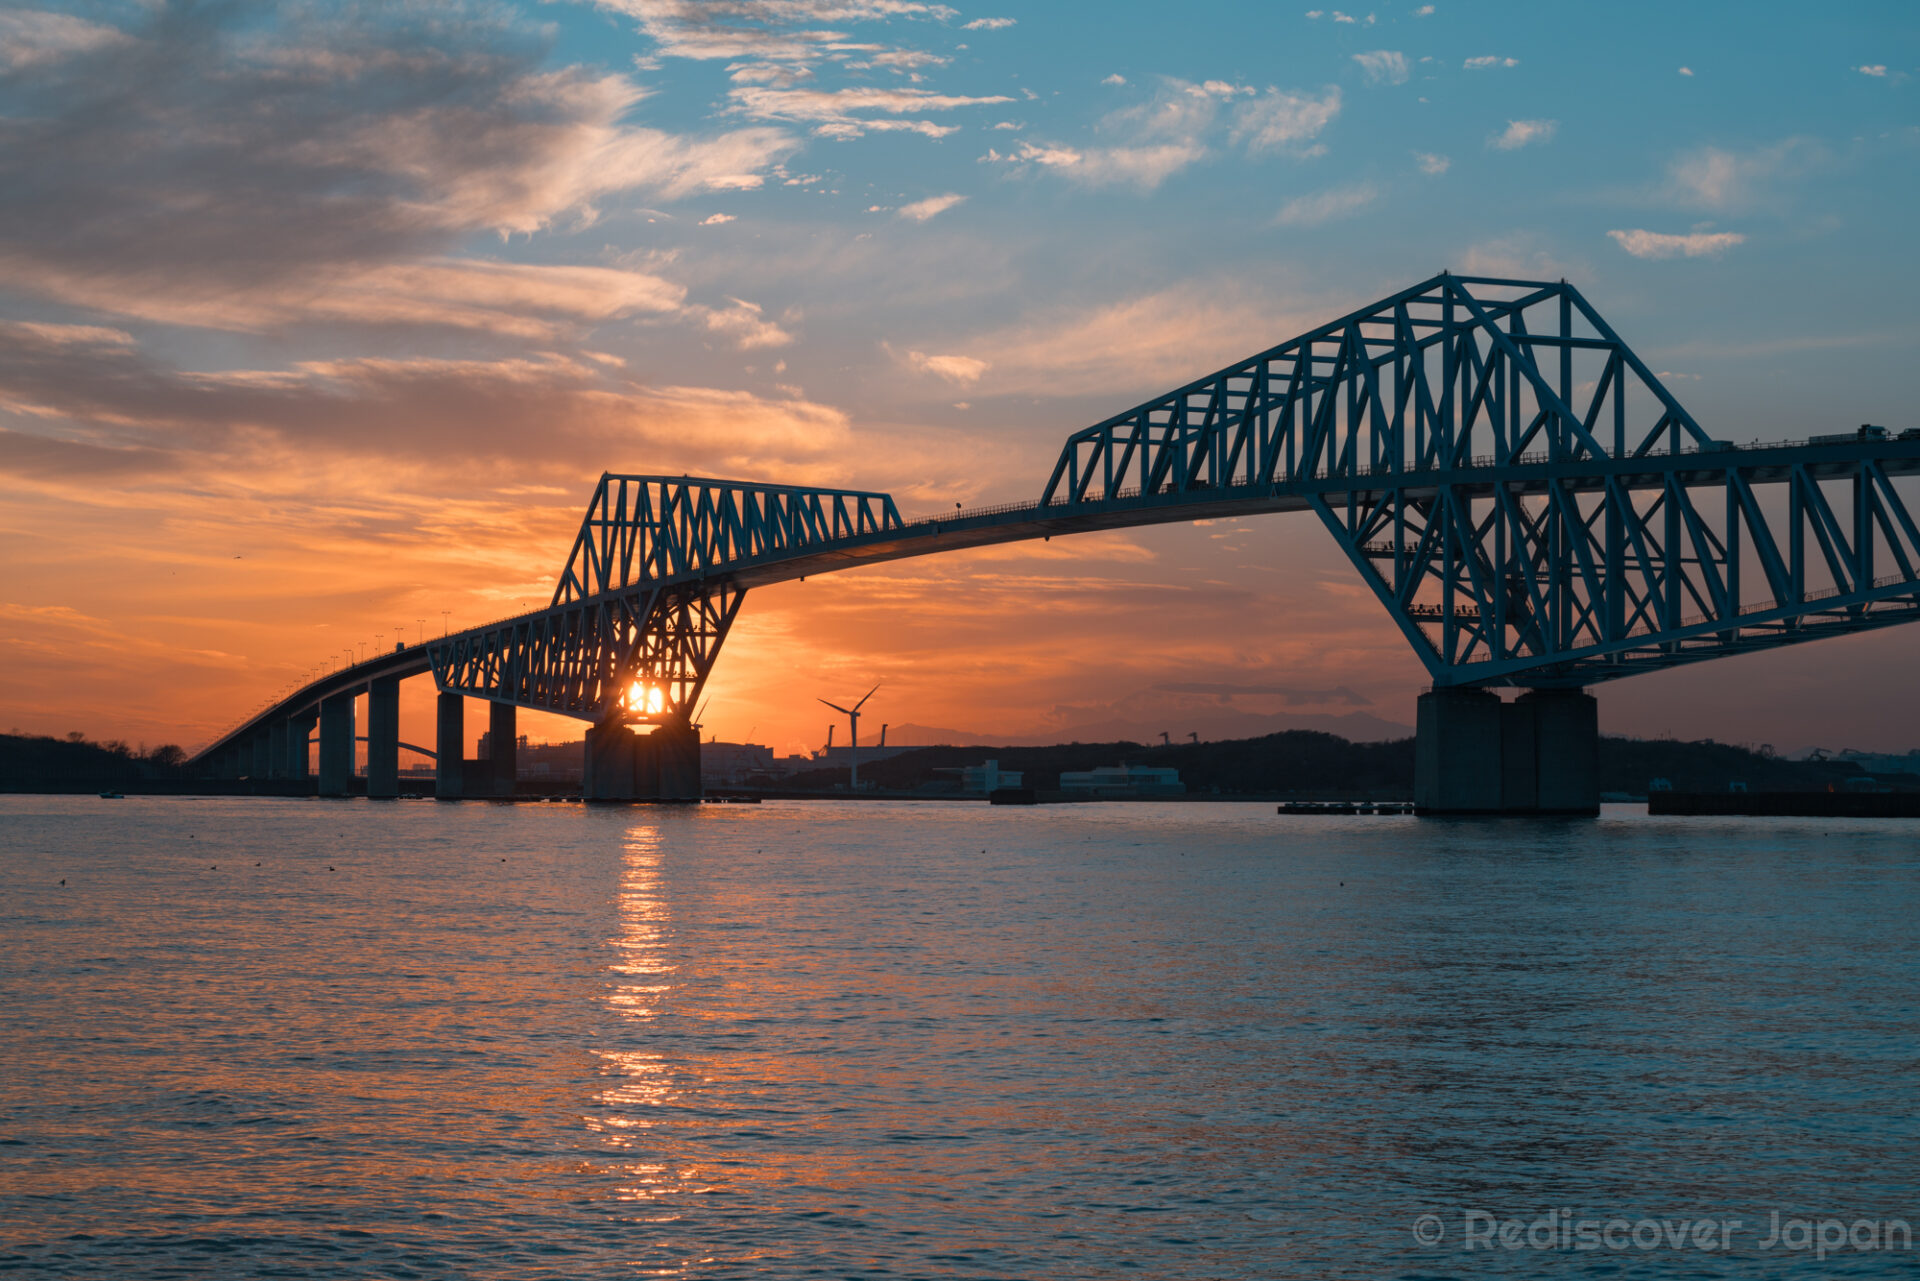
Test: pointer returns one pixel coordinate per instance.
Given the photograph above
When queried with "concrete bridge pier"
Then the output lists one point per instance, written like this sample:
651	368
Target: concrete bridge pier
277	749
383	738
1539	754
336	745
449	746
503	747
623	766
299	734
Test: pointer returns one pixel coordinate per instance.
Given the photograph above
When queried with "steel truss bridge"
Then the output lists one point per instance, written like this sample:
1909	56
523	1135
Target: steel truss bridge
1527	500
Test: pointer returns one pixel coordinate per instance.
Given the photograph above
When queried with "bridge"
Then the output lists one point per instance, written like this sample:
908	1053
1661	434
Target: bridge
1532	507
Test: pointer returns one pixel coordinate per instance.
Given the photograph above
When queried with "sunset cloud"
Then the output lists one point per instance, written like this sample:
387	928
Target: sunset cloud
1699	244
1721	179
1326	206
957	369
930	208
1384	66
1278	119
848	113
1524	133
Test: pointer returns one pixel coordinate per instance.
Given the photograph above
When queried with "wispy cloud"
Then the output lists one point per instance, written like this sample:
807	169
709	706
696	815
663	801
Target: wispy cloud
1384	66
743	322
930	208
1698	244
1686	71
1524	133
714	220
1144	167
1424	11
1280	119
1115	79
1431	162
33	37
849	113
1143	342
1876	69
955	369
1718	179
1176	127
987	24
1326	206
1485	61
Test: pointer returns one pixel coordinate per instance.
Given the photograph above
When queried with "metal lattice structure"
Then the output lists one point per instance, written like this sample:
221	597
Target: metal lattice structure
655	528
1521	492
647	597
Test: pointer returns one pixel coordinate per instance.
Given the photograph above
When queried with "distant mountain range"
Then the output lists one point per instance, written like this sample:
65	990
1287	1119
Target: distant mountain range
1211	724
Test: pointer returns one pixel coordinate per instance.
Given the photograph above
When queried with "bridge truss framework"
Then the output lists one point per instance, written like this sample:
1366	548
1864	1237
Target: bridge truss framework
1530	504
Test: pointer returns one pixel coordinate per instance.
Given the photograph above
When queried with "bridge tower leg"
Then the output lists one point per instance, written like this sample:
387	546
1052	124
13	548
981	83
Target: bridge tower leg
299	732
1539	754
336	745
503	747
383	738
449	745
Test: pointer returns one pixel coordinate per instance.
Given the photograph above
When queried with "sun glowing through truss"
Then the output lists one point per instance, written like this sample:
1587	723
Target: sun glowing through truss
645	699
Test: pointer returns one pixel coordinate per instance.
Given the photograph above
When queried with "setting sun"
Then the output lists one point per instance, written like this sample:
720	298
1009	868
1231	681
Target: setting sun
648	700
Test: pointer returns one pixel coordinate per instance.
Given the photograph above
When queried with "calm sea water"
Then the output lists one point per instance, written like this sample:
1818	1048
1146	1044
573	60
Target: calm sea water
351	1039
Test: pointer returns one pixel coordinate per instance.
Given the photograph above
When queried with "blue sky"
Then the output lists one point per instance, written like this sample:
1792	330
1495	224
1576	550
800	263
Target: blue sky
322	319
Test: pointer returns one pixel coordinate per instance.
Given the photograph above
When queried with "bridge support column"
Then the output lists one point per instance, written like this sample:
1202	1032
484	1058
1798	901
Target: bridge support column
299	732
673	755
623	766
606	771
1566	735
383	738
1539	754
502	747
277	750
449	745
259	758
336	745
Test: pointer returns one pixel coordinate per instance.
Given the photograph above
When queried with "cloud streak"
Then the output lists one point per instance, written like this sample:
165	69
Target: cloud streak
1326	206
1656	245
1524	133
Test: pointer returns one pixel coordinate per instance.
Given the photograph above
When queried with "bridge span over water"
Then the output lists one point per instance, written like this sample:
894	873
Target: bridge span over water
1530	504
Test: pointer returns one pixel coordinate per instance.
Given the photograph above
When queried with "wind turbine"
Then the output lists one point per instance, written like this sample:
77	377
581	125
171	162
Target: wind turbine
853	715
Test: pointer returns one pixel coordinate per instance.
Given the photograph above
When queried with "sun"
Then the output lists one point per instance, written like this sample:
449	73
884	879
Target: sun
649	700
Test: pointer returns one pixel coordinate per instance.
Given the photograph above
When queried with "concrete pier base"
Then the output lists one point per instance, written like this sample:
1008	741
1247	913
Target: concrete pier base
1539	754
336	745
621	765
449	746
503	747
277	749
383	738
260	756
299	739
